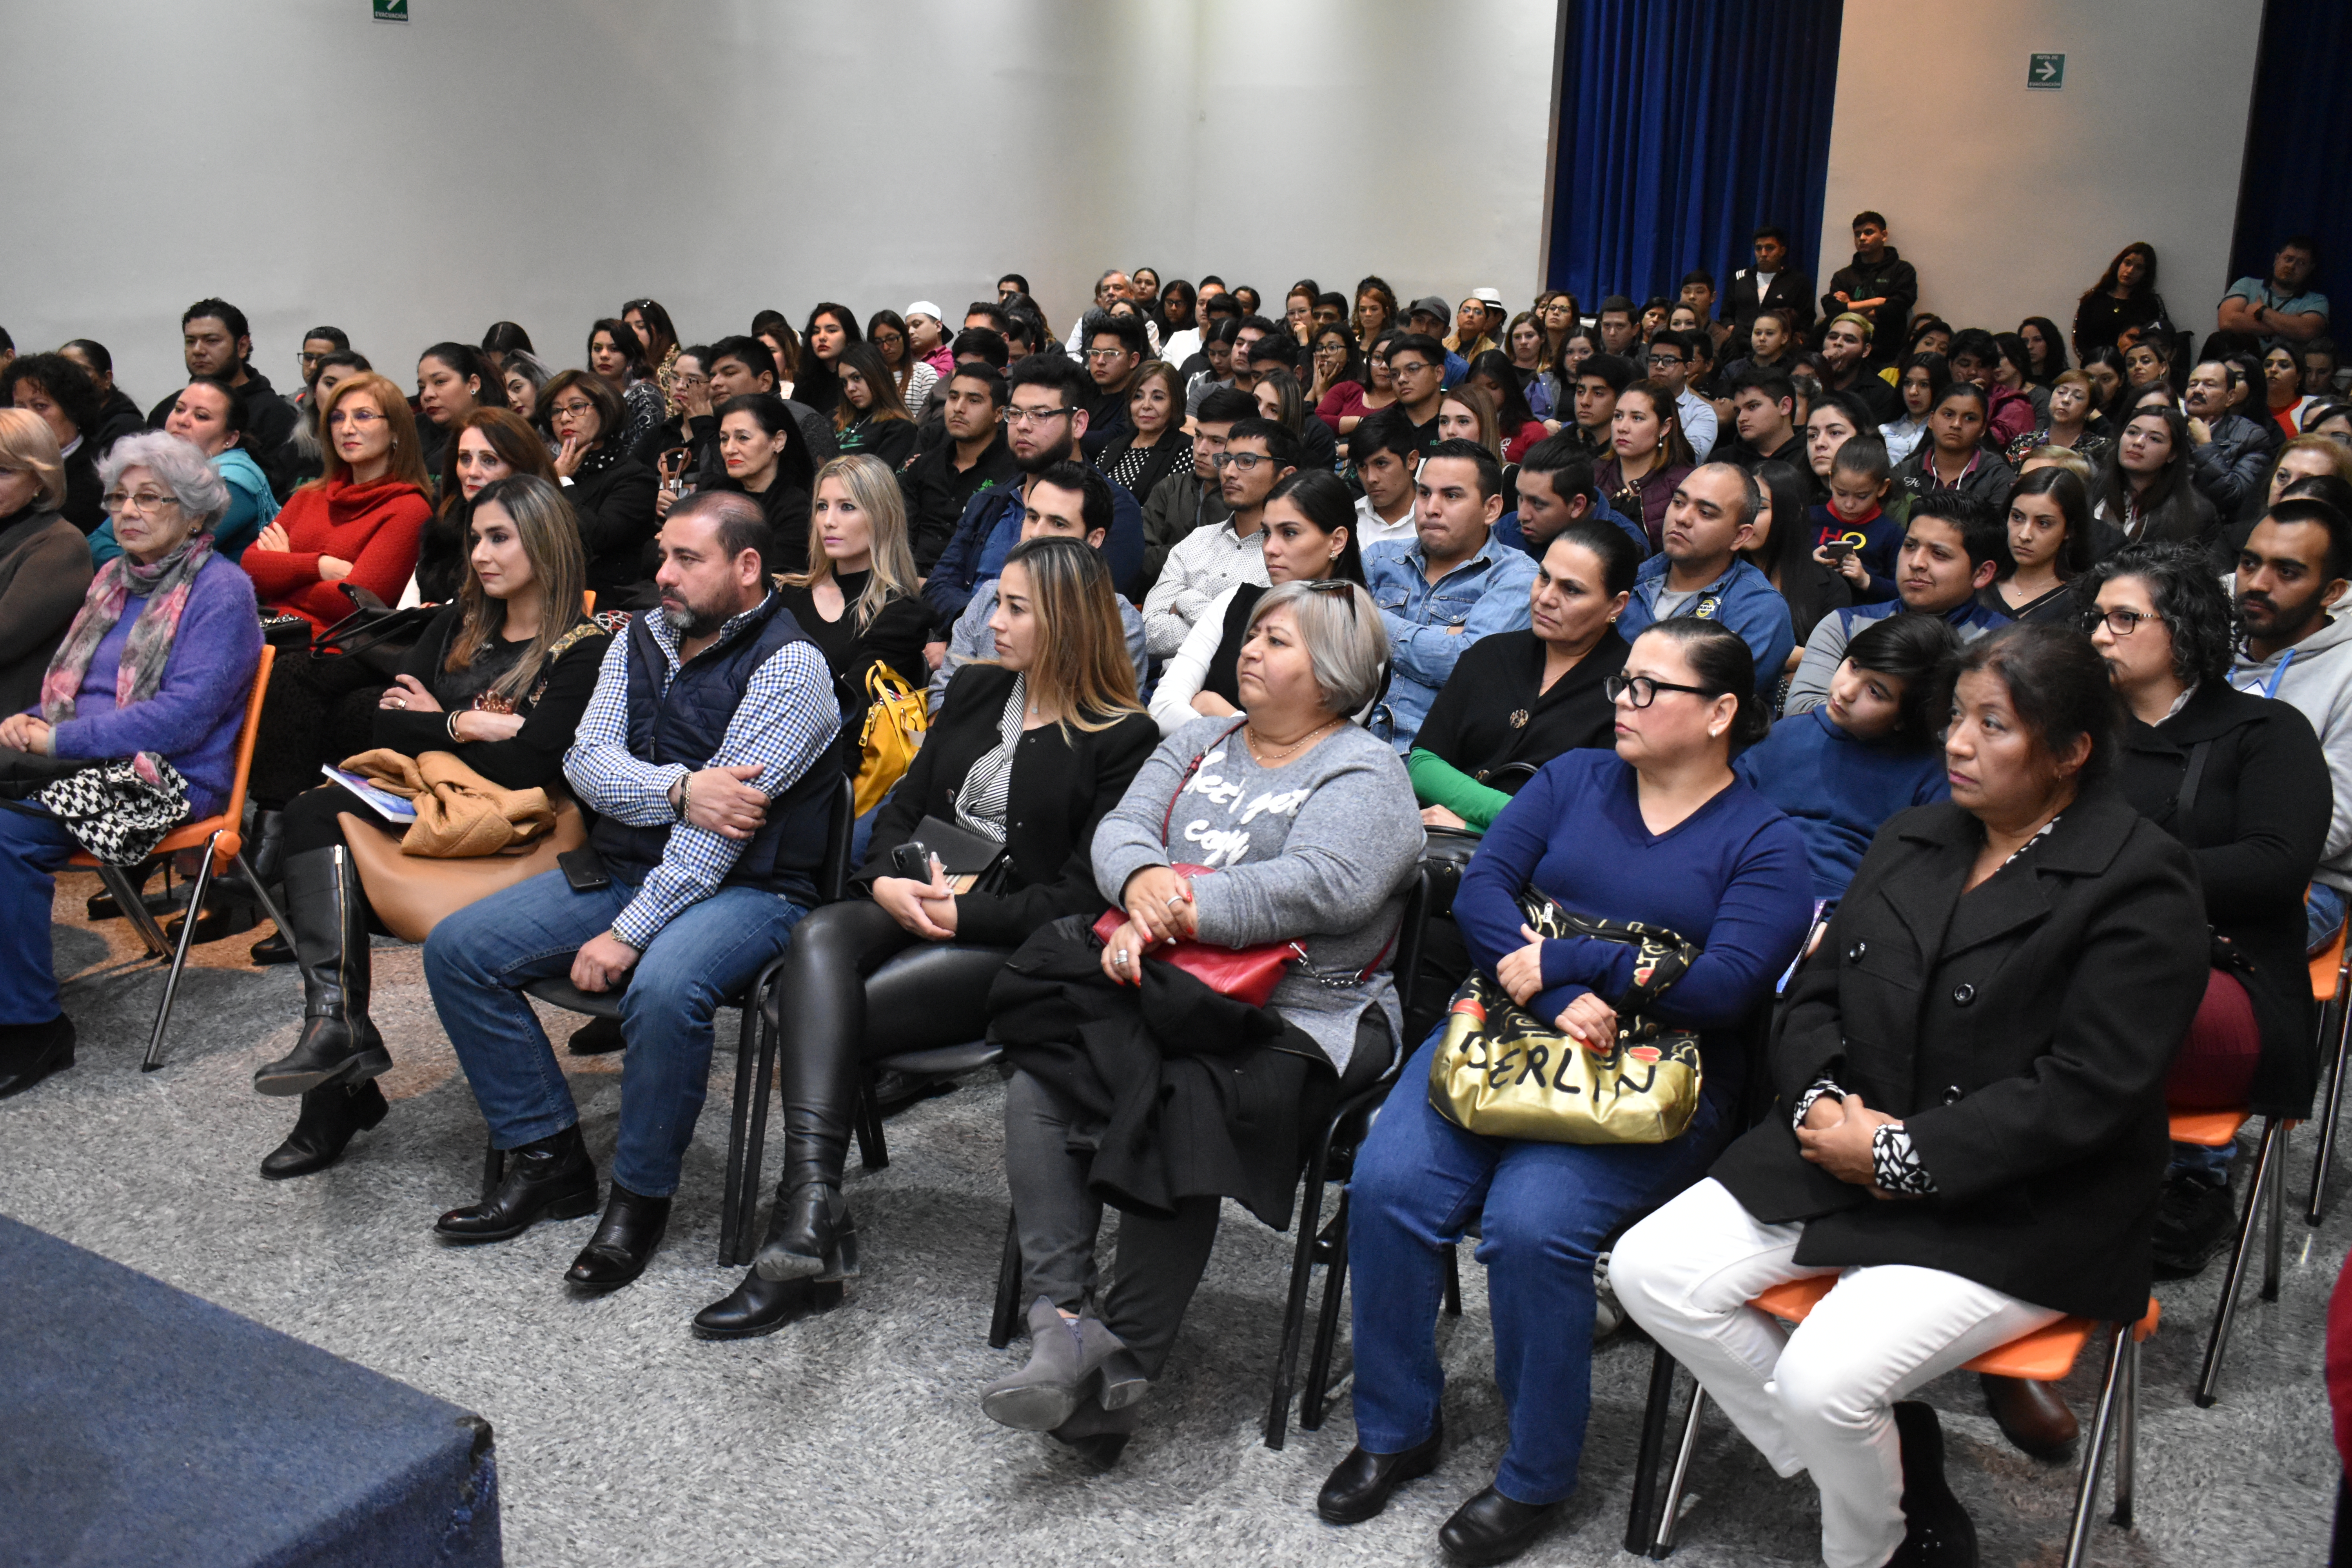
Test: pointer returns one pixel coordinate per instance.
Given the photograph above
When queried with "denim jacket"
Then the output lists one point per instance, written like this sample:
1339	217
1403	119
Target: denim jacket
1743	598
1483	594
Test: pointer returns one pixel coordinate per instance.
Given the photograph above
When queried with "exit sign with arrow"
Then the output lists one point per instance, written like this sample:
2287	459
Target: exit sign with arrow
2047	72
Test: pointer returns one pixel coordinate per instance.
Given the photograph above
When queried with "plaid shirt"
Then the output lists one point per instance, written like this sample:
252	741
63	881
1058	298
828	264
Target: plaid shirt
787	720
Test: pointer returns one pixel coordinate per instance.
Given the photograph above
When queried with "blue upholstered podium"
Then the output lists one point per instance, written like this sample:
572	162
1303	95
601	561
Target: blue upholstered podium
141	1426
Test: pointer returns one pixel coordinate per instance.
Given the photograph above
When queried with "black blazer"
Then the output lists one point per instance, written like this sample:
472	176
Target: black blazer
1791	291
1061	787
2023	1035
1470	724
2256	827
616	508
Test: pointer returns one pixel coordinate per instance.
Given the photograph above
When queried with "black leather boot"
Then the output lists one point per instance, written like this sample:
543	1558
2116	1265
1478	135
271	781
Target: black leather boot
329	1117
338	1041
1362	1484
759	1306
1937	1531
624	1242
1493	1528
552	1179
812	1234
31	1052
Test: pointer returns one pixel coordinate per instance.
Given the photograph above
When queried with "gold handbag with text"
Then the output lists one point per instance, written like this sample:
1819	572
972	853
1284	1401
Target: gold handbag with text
1501	1072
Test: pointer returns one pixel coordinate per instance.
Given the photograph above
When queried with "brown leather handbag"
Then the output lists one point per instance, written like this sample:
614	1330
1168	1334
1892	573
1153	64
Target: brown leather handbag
411	894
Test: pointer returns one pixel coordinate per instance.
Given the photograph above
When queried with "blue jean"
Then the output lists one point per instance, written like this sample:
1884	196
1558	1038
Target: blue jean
2323	917
33	844
477	960
1545	1208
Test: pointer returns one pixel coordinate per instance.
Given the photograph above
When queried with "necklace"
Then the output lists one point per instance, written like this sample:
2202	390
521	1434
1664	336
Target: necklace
1281	753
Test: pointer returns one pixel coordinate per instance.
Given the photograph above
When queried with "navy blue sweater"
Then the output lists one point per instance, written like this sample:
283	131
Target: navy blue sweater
1839	790
1730	877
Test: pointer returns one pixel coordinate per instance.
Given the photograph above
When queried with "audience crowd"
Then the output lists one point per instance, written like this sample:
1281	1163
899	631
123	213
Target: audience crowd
1942	733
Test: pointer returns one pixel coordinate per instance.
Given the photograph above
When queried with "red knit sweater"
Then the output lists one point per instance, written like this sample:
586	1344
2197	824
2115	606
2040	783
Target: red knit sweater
374	527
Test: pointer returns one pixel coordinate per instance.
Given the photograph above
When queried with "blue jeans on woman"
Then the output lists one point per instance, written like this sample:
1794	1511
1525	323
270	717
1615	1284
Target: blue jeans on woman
33	844
1545	1209
477	960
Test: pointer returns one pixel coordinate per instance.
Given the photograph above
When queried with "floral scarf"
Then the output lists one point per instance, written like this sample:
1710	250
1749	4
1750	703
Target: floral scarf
165	585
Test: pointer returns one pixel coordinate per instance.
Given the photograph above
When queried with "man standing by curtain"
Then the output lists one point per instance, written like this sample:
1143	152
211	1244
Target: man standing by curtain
1770	284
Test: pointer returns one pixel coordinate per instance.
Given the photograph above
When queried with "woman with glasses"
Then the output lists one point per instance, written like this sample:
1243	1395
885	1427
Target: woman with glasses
1285	822
616	356
1152	444
613	493
1660	831
1369	389
1333	361
911	376
159	661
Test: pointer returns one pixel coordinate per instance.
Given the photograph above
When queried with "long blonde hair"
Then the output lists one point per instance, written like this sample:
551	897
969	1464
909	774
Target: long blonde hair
550	532
875	491
1081	670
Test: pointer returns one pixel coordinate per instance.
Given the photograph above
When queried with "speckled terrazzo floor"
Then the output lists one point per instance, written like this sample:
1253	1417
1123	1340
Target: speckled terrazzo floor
855	1438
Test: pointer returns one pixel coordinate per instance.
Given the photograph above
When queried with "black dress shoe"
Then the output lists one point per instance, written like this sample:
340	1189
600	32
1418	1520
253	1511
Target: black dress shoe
31	1052
1492	1527
624	1242
1097	1436
1938	1532
2031	1416
1363	1483
759	1306
2194	1221
552	1179
596	1038
272	949
329	1117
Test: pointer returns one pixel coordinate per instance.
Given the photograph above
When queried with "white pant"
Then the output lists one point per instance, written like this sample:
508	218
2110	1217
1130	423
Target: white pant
1817	1398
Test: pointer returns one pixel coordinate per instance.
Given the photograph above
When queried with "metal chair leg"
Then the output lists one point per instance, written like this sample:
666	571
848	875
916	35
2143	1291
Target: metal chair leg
1317	1394
1293	1313
764	1046
734	1213
134	905
1007	1316
179	956
1454	1280
2127	1433
2340	1020
1673	1504
873	1143
1640	1520
2094	1447
2274	1220
260	895
2227	1313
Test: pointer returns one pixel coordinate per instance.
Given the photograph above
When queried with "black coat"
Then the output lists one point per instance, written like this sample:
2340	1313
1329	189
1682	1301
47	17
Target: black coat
1470	723
936	491
2023	1035
2256	828
1791	291
1889	278
1062	788
614	503
1196	1095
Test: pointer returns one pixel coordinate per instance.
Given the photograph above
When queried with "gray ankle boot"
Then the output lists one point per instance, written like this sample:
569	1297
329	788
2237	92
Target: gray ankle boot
1066	1361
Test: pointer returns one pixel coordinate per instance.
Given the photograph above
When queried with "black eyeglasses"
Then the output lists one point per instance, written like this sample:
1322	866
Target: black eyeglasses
2122	623
1645	691
1339	585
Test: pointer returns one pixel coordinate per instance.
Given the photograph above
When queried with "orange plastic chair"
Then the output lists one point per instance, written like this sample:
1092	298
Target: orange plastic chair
2331	983
2045	1356
221	837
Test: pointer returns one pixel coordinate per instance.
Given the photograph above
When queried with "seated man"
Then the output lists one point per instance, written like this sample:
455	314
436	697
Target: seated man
1114	358
1068	498
1455	584
1699	570
1556	488
1953	547
1673	356
1386	450
1045	421
707	756
1193	497
940	483
1206	562
1593	395
2284	308
1764	409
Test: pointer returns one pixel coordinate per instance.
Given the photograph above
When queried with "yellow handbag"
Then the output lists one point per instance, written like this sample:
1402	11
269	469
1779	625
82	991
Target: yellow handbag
1501	1072
896	721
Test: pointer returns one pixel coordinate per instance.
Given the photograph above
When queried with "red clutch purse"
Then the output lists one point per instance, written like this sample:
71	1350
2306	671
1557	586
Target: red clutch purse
1247	974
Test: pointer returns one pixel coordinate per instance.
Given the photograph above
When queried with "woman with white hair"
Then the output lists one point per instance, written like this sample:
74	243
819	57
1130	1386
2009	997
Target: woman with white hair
155	667
44	560
1285	823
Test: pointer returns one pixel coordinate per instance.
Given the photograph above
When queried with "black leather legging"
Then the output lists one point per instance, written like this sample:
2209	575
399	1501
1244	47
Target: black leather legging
857	984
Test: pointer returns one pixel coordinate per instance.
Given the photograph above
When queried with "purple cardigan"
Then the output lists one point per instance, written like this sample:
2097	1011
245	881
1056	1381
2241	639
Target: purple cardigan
193	718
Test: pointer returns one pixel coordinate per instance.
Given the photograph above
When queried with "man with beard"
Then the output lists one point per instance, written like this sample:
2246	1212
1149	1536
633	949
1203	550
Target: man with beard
1044	420
216	340
2293	571
707	756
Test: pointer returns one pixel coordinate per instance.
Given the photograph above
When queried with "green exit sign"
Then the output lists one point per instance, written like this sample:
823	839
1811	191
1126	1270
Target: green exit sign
392	10
2047	72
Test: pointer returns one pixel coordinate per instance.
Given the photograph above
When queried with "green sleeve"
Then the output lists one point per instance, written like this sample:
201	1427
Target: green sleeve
1437	782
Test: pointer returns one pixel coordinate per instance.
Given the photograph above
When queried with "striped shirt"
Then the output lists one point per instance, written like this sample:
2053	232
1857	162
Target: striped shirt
787	720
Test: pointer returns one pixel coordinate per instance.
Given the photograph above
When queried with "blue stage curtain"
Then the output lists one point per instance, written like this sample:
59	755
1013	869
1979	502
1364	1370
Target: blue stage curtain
2298	177
1684	126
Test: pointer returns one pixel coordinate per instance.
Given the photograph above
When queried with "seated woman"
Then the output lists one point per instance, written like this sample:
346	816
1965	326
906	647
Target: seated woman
1515	421
452	381
1663	831
1348	403
61	393
486	446
911	377
209	415
1153	444
616	356
1782	537
870	418
1281	399
360	523
1029	751
1970	1130
2072	422
610	491
1309	529
1841	769
2052	543
766	458
1919	380
500	680
2145	490
858	598
45	566
159	663
1648	457
1518	700
1306	820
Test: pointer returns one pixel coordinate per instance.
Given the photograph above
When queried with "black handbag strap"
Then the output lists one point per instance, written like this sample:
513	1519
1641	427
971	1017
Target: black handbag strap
2186	801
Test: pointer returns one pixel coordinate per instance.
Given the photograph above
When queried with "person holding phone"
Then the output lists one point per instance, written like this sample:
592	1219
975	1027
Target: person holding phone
982	843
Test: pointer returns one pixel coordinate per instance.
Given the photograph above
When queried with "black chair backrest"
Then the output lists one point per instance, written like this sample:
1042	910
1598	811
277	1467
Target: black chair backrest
832	876
1407	969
